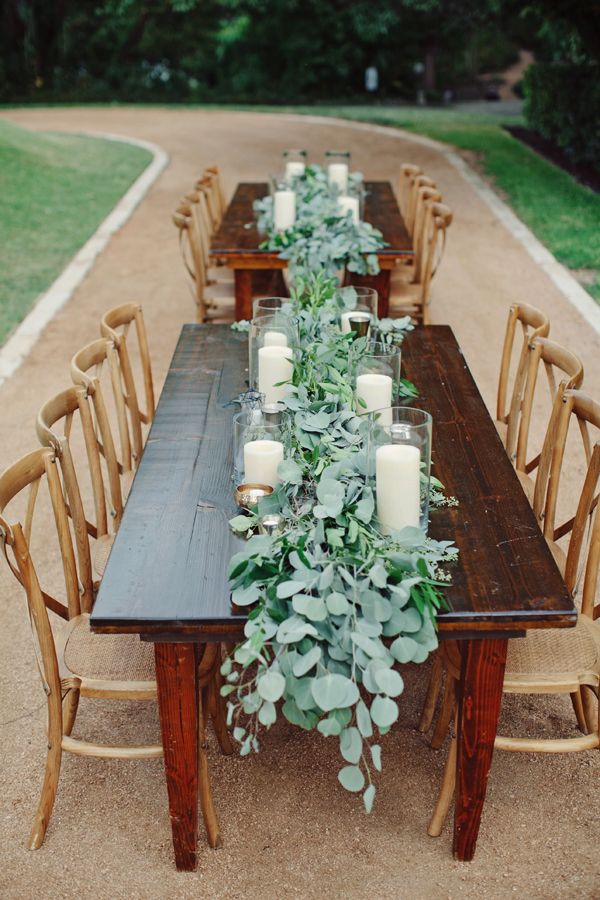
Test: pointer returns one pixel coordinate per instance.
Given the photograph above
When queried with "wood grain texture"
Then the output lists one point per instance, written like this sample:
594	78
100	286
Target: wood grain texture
167	570
178	706
239	245
480	696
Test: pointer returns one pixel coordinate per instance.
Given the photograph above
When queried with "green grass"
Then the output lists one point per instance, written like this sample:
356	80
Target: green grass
563	214
55	189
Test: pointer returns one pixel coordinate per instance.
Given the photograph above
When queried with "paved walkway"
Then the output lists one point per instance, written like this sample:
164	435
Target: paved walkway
288	829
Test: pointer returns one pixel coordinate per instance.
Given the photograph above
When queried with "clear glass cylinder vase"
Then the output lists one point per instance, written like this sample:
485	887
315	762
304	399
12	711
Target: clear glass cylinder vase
271	343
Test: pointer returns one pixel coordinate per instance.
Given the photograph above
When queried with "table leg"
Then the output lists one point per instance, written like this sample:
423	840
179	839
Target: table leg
480	696
176	678
243	294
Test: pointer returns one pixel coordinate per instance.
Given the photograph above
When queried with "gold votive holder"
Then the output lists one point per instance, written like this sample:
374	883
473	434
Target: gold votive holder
248	495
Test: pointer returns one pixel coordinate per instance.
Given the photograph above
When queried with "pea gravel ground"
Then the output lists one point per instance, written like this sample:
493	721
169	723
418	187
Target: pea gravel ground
289	830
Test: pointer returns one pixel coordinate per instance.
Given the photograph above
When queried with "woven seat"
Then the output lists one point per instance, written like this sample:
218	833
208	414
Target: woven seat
111	657
560	653
101	552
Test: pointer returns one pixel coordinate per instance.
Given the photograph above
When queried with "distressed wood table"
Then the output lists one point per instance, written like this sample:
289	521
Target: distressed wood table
237	242
166	576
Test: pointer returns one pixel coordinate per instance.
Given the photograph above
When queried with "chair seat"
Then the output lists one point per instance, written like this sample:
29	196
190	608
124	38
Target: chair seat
101	552
555	654
219	275
107	657
402	275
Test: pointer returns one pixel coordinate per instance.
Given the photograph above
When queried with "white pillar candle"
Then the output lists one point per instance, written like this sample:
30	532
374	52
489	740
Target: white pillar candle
376	392
338	174
349	205
294	169
261	459
284	209
274	365
352	314
397	478
275	339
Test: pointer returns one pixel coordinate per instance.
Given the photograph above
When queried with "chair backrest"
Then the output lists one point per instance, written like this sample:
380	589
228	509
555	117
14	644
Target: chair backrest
564	371
196	207
438	218
115	326
534	323
34	475
213	172
580	522
87	369
208	186
55	430
425	196
419	181
192	255
408	172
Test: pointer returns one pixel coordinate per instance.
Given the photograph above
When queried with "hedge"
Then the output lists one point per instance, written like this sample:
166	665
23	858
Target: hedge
562	103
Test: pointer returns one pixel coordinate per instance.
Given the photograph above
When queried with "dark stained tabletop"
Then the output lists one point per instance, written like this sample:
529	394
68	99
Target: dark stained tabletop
235	238
167	570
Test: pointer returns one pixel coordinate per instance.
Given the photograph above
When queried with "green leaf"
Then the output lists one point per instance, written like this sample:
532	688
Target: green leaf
351	778
403	649
368	797
271	685
334	691
246	596
242	523
289	472
267	714
335	537
389	681
365	509
312	607
329	727
351	745
376	756
337	604
305	663
372	648
363	719
289	588
384	711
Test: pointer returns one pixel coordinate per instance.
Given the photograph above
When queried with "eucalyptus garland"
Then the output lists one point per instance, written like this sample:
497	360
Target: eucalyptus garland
334	605
322	238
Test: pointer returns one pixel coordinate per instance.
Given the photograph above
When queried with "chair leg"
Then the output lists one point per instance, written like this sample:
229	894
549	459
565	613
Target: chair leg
433	692
446	794
70	706
218	714
52	773
591	708
448	706
209	814
577	701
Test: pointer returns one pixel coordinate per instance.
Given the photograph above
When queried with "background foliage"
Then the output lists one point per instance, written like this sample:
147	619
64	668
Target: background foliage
273	50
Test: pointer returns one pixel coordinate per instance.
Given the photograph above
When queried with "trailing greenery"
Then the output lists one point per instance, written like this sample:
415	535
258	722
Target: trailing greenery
55	189
563	105
322	238
334	604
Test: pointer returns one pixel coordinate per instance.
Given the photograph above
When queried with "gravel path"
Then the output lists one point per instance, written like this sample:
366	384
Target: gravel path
288	829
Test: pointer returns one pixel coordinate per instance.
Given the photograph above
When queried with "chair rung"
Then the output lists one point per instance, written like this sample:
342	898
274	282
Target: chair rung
111	751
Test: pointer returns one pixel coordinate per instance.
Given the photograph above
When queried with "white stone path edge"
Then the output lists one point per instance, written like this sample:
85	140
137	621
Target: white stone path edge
558	274
47	305
61	290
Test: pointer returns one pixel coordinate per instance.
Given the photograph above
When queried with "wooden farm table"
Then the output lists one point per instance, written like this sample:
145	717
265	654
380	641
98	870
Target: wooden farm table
166	577
237	242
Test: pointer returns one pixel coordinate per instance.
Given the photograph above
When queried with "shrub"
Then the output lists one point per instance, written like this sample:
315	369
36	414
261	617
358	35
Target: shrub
563	105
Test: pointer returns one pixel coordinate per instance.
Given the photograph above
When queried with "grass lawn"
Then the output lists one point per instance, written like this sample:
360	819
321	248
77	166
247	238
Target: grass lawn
55	189
564	215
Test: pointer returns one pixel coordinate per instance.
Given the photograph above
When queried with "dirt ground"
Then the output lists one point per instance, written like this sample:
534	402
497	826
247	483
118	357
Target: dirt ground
289	830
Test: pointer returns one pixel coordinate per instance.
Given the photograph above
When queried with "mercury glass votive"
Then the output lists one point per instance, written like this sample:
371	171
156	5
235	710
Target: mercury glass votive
363	301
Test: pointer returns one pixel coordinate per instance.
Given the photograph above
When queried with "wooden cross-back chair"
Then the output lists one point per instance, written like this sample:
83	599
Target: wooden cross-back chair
195	206
533	323
563	371
55	430
72	661
414	270
408	173
212	175
419	181
556	661
116	326
215	301
210	185
413	299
